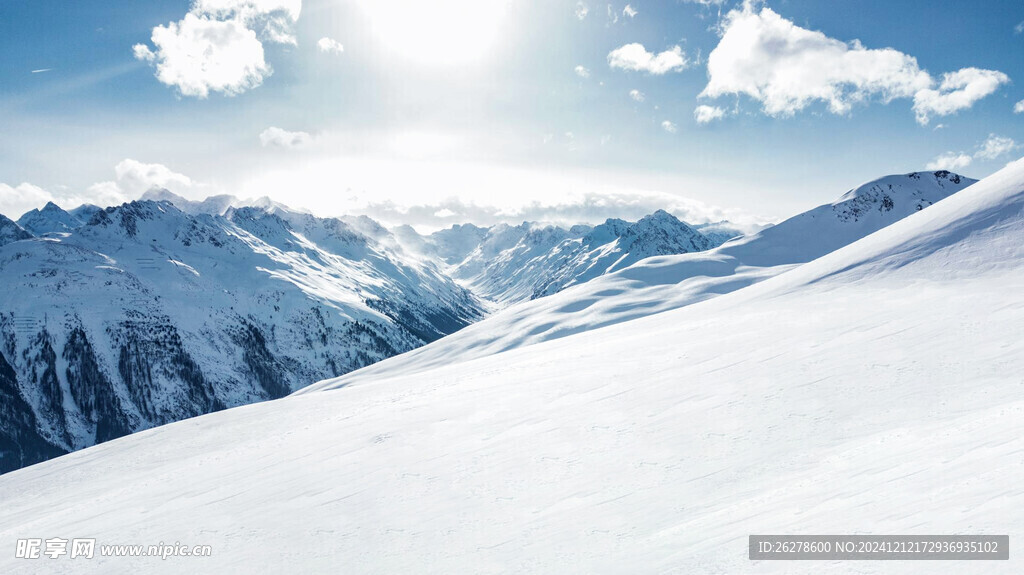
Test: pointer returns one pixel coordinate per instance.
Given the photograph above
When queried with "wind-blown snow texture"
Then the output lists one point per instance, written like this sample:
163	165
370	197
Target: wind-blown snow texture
877	389
147	315
122	319
659	284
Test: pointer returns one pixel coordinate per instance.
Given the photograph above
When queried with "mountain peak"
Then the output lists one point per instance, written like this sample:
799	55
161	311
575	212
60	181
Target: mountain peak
904	193
51	218
10	231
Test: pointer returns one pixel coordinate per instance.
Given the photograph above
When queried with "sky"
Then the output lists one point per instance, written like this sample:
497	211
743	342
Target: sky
451	111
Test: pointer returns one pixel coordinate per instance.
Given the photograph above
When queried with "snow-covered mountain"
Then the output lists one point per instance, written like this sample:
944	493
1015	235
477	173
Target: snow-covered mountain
50	219
659	284
169	308
147	315
877	387
10	231
507	264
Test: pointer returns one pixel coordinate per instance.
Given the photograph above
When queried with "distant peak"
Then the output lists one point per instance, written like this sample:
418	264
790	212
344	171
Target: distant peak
660	215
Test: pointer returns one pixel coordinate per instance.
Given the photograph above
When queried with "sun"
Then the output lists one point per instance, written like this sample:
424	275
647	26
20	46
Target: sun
439	32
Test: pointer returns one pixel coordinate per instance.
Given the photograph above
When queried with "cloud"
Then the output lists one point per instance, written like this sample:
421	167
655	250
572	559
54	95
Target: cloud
582	72
613	15
1019	28
273	19
950	161
16	200
135	178
635	57
637	95
132	178
708	114
1018	108
994	147
587	208
277	138
629	11
330	46
669	127
218	45
958	91
582	10
787	68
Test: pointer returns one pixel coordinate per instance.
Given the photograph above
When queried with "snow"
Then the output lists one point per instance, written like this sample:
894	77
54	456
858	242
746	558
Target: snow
659	284
50	219
877	389
186	294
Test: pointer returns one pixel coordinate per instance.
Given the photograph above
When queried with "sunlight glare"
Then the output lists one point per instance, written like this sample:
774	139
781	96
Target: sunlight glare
441	32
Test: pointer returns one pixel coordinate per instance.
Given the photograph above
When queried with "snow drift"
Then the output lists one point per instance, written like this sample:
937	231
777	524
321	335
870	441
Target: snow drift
877	389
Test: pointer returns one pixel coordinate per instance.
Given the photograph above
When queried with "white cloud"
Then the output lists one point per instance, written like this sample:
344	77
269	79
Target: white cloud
330	46
613	15
1018	108
143	53
135	178
16	200
249	9
994	147
218	45
637	95
706	2
707	114
582	72
950	161
585	208
1019	28
958	91
629	11
582	10
278	138
272	18
787	68
636	57
669	127
199	55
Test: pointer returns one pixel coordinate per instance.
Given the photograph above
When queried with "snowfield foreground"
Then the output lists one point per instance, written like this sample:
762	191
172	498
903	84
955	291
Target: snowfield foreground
879	389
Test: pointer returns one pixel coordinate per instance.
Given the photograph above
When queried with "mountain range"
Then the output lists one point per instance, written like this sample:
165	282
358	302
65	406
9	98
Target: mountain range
114	320
877	384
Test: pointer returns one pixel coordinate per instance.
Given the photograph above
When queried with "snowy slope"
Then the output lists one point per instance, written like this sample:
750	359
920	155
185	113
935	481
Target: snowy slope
148	315
875	390
659	284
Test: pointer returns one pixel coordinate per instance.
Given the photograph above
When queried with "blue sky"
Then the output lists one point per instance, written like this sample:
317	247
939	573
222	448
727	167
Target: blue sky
488	110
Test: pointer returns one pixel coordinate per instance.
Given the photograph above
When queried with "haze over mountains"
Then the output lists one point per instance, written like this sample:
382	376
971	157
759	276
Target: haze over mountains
119	319
828	396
